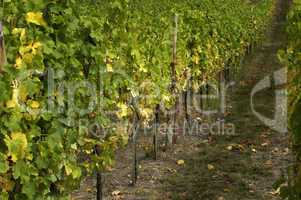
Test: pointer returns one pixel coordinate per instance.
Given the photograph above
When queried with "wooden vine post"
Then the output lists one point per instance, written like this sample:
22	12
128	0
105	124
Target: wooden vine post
221	93
187	99
156	131
185	105
99	179
135	163
2	49
97	148
173	77
99	174
174	53
201	91
135	129
99	186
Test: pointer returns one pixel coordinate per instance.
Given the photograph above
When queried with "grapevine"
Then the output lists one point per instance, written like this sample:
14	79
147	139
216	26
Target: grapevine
74	63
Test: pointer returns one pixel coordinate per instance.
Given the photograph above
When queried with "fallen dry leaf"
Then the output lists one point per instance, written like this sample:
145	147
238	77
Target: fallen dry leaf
238	147
210	167
171	170
180	162
275	150
264	144
227	190
241	147
229	148
109	169
286	151
275	192
116	193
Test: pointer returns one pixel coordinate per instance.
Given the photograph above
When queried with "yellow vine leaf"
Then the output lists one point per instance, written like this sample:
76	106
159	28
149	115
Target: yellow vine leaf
196	59
68	169
21	137
27	54
35	46
11	104
15	96
20	31
146	112
34	104
72	170
166	98
36	18
123	110
17	145
109	67
14	101
19	62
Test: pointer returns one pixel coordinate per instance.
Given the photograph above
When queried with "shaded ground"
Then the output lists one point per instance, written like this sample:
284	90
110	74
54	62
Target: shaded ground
240	167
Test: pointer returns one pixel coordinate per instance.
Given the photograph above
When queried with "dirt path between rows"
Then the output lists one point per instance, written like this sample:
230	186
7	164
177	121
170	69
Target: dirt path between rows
243	166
